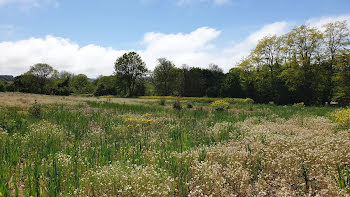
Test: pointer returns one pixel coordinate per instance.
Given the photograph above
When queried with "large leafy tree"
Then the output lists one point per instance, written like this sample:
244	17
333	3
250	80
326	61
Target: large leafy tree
43	71
336	39
231	86
342	78
164	77
105	85
45	75
81	85
130	68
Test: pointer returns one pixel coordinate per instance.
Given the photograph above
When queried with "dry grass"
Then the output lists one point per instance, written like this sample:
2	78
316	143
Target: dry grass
24	99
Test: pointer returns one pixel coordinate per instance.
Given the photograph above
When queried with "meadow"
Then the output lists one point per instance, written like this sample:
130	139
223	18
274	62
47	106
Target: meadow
77	146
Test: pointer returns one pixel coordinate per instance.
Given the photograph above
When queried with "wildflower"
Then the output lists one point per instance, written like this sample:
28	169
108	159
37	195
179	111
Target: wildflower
342	116
220	105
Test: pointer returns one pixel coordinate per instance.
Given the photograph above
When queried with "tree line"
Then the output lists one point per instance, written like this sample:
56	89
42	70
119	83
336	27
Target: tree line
307	65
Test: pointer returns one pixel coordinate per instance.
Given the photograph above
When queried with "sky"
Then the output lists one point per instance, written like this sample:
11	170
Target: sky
87	36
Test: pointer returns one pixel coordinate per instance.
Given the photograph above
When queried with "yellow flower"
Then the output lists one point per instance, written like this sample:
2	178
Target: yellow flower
342	116
220	105
299	104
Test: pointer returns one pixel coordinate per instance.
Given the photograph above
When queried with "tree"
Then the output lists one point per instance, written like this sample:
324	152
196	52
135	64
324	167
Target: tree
305	44
336	39
45	74
231	87
130	68
215	68
2	87
193	83
81	84
213	77
62	84
342	79
43	71
28	83
164	76
267	52
105	85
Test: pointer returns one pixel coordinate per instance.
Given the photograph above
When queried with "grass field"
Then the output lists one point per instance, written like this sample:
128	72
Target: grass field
73	146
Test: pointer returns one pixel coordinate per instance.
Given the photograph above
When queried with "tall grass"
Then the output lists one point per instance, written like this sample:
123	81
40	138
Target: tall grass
103	148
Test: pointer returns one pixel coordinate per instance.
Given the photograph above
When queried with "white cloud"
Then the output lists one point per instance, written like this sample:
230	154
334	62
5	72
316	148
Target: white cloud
28	4
193	48
236	52
61	53
196	48
319	22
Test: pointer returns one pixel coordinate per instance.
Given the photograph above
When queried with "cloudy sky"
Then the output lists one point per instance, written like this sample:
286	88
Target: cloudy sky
87	36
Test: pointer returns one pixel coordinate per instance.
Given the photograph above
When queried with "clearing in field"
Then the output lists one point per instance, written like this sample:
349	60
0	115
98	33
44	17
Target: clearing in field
73	146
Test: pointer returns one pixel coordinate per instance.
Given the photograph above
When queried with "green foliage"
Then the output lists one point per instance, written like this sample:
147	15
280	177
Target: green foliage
2	87
343	177
342	79
106	85
81	85
189	106
177	105
220	105
162	102
130	68
164	76
231	86
35	110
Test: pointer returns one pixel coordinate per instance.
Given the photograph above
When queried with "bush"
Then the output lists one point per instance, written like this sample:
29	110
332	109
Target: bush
220	105
189	106
177	105
342	116
35	110
2	87
248	100
162	102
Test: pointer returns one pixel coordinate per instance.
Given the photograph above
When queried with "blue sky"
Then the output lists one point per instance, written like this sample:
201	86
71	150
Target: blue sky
87	36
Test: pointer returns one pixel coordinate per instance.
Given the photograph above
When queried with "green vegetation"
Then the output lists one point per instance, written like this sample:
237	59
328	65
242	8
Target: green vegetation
103	148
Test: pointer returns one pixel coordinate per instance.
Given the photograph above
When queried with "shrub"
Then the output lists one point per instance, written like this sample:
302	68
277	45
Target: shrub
189	106
177	105
35	110
220	105
249	100
162	102
342	116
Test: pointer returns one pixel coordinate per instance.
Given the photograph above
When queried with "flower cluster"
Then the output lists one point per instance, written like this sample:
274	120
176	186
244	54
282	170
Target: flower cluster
220	105
275	158
41	134
137	122
342	116
121	179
